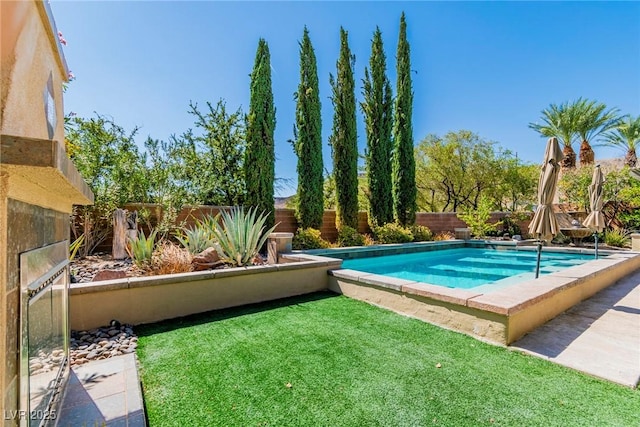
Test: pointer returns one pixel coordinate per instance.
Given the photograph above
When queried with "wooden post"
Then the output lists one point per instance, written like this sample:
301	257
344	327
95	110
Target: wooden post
119	234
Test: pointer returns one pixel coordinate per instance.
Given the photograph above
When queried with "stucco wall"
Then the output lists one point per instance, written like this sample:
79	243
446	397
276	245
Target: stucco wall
152	299
30	53
30	56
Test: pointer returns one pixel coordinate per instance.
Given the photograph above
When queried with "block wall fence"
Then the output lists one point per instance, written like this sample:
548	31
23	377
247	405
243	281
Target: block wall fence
437	222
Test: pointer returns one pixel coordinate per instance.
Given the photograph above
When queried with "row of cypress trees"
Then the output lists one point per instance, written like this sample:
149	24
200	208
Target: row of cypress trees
390	164
389	157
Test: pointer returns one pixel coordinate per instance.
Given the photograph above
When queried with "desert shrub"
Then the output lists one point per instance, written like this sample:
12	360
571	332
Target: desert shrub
393	233
368	240
561	239
309	238
170	259
141	248
617	238
349	236
445	235
240	236
421	233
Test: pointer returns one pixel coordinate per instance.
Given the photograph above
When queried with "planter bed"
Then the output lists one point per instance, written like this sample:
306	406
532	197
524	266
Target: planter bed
138	300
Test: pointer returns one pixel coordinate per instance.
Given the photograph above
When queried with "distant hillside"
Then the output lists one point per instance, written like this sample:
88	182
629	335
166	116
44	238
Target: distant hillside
281	202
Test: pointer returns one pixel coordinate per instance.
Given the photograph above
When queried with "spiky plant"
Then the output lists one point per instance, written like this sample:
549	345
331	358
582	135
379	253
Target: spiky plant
626	135
141	248
240	236
195	239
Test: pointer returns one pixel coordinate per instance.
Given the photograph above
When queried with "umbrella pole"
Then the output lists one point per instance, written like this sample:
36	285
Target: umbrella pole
595	235
538	260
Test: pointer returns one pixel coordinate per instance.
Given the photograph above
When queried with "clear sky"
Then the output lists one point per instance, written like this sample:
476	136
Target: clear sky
489	67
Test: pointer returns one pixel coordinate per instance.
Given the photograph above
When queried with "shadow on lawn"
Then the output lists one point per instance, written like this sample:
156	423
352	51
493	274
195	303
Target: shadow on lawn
227	313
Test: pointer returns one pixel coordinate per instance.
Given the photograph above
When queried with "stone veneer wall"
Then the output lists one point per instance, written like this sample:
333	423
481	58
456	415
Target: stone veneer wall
28	227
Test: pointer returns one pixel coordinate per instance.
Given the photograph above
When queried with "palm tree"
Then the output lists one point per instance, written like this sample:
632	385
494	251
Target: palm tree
593	119
560	121
626	135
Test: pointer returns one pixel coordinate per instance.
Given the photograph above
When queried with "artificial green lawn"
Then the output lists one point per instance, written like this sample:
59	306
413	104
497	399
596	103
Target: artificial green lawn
326	360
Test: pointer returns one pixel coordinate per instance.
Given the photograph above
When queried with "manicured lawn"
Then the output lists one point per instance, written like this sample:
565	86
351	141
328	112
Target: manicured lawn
325	360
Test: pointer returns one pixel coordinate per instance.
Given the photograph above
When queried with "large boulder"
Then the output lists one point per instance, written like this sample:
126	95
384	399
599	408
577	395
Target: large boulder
206	260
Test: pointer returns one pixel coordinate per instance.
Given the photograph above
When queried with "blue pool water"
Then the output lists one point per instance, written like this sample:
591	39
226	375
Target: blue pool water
466	267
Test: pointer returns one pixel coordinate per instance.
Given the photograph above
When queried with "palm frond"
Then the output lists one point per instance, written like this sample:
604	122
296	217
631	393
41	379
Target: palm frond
626	135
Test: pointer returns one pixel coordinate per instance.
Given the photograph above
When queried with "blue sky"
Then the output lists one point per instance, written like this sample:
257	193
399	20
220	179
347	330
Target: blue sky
489	67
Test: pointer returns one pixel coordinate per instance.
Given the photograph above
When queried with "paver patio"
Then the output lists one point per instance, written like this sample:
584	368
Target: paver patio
105	392
600	336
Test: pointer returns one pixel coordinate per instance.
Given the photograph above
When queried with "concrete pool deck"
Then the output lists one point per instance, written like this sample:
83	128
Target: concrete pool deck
600	336
500	316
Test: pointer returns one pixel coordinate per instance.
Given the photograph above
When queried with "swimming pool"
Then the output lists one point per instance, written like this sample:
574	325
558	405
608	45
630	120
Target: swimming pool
467	268
499	311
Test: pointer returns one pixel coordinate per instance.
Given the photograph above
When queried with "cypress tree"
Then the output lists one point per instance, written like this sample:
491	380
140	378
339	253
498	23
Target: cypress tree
378	109
403	161
259	163
343	140
308	139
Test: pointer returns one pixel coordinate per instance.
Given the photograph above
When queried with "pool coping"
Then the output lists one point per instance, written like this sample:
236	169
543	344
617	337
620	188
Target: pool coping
500	316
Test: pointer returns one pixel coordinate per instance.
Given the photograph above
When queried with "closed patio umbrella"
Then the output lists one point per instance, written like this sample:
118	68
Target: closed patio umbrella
544	224
595	219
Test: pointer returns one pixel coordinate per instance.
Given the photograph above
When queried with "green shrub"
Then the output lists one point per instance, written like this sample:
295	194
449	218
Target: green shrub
421	233
561	239
309	238
617	238
478	219
511	222
141	248
240	236
349	236
393	233
630	219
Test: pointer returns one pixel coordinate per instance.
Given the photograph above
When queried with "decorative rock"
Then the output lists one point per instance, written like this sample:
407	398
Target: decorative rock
109	275
206	260
99	343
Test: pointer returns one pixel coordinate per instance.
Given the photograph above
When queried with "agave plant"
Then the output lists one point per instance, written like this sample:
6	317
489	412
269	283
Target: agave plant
240	236
200	237
141	248
75	246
